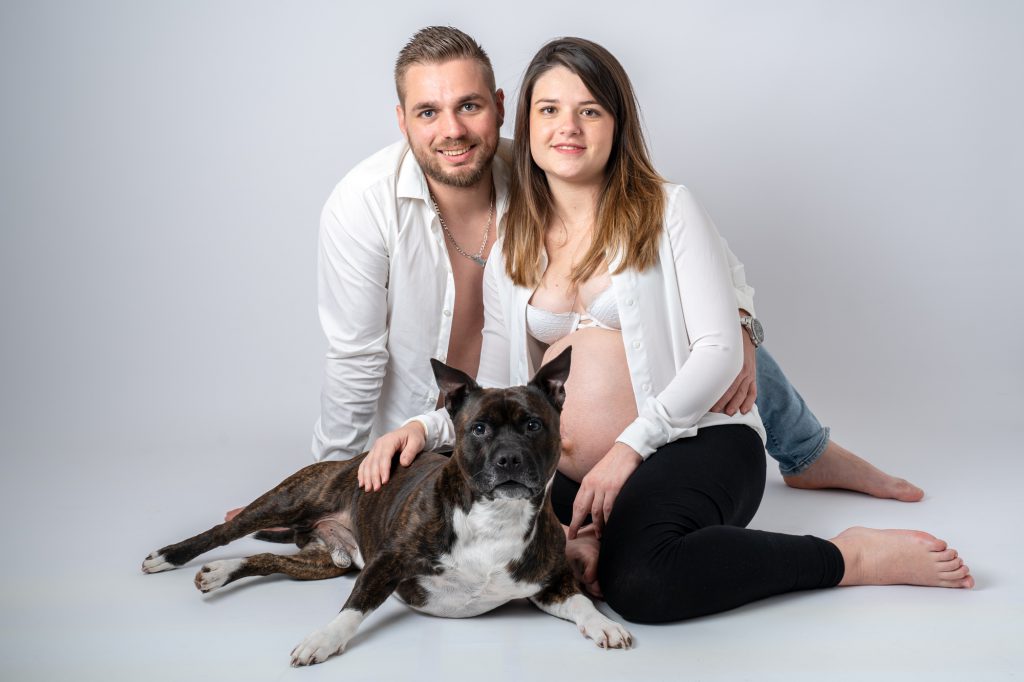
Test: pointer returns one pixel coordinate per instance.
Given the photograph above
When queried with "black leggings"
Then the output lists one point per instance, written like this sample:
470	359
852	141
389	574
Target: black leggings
676	547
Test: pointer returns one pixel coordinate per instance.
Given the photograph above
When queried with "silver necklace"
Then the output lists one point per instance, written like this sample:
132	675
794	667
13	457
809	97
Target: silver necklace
478	258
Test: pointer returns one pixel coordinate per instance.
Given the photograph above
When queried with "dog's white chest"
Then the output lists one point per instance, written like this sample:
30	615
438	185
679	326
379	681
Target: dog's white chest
475	578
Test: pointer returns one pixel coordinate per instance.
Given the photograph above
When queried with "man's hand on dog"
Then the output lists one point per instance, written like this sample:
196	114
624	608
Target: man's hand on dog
375	469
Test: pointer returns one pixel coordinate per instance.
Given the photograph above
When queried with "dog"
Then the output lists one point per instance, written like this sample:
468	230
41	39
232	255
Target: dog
452	537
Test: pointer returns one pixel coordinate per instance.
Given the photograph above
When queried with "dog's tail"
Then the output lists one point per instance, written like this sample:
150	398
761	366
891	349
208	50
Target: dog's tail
284	535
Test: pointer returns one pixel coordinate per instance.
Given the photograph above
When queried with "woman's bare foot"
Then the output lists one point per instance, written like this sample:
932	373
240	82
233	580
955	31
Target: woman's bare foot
899	557
839	468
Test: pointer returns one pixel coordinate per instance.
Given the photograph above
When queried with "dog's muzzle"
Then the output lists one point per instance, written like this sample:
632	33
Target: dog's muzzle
512	473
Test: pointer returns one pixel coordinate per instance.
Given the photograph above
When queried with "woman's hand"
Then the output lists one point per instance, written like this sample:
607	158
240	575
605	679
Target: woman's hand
599	488
582	554
375	469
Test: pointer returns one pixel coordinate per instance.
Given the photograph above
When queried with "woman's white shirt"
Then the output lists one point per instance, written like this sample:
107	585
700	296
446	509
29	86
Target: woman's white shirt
679	326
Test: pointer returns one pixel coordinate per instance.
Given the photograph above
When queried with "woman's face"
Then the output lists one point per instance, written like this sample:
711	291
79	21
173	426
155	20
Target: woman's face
571	135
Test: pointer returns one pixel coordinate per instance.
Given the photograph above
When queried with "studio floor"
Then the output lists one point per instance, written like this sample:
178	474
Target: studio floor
77	607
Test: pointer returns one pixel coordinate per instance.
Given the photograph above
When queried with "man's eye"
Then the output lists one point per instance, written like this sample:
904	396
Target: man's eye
469	106
427	114
479	429
534	425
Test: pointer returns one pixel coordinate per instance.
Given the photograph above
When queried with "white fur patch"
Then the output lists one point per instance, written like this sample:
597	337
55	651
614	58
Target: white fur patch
606	633
156	563
475	577
332	639
216	573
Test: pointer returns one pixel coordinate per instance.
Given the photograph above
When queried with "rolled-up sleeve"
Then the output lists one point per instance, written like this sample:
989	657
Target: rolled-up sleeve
743	291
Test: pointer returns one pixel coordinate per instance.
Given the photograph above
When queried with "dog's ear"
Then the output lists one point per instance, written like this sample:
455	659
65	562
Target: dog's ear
550	379
455	384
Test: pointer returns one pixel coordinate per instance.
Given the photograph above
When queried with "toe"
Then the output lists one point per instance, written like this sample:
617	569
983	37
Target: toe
933	543
961	584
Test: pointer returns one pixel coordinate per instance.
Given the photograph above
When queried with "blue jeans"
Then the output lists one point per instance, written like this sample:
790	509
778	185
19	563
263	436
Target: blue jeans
795	436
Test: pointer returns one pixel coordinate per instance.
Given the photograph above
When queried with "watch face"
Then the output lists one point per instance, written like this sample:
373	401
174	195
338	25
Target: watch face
757	330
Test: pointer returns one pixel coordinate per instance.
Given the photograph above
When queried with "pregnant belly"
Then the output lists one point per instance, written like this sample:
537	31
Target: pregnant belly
599	400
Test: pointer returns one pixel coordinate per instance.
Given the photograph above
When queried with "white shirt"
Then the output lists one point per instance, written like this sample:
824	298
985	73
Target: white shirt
679	328
385	298
386	295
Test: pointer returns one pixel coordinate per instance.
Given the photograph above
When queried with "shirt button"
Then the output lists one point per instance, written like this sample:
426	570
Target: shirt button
647	388
447	312
636	344
629	301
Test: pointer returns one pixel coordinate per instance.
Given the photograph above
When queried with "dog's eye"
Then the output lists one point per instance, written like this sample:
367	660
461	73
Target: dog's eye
479	429
534	425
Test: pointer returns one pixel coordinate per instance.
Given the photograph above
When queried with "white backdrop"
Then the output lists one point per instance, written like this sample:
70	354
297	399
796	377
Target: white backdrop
164	164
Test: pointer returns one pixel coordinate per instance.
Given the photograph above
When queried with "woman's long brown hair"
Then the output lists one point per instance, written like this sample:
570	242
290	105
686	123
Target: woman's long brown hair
631	207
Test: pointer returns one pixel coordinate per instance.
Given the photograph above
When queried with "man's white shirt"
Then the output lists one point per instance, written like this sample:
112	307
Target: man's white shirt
386	295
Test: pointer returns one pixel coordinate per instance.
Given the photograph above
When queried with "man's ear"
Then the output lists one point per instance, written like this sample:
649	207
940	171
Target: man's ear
400	113
499	103
455	384
550	379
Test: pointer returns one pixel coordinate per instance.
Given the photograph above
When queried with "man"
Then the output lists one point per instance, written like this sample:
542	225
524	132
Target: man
403	241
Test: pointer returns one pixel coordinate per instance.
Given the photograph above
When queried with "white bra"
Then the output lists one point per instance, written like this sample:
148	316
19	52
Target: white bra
548	327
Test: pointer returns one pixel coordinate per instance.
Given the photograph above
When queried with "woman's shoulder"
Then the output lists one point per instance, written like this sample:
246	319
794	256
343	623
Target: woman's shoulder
675	192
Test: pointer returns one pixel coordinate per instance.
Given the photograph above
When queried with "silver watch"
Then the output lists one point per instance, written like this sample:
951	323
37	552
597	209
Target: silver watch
754	329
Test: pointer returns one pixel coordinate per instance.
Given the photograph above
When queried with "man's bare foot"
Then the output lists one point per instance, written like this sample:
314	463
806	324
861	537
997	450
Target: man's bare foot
839	468
899	557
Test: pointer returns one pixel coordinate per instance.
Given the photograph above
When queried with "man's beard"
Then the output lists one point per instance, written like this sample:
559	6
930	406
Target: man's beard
461	177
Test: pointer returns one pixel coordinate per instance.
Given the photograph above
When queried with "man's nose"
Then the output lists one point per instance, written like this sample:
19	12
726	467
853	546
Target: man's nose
452	126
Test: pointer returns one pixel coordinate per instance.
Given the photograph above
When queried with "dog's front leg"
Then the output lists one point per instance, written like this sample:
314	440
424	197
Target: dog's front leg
562	598
375	583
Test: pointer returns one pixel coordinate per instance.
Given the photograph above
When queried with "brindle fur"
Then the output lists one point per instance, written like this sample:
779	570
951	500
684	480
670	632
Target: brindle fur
404	540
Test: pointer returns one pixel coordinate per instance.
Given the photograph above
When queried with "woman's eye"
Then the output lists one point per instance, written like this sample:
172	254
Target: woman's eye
533	425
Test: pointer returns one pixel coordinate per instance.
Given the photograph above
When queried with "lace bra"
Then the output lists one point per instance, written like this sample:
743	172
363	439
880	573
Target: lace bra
548	327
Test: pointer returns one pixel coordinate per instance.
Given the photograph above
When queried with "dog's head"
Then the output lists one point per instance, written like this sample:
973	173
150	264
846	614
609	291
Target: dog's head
507	440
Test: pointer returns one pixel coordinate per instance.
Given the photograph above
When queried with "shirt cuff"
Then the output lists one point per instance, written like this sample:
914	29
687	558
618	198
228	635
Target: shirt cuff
644	436
745	300
438	428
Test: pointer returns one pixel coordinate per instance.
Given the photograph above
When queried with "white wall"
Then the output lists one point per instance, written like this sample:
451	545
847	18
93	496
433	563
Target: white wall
164	164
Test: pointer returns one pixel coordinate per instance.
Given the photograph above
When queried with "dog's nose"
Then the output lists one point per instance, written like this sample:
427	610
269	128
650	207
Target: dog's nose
509	461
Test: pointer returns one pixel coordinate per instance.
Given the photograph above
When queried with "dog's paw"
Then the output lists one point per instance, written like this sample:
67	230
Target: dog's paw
317	648
156	562
341	558
606	633
216	574
323	644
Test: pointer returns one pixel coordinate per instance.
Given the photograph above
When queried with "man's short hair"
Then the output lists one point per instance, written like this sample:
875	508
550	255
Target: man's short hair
437	45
